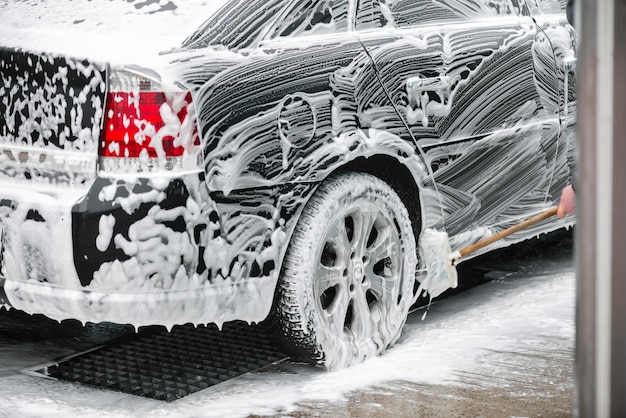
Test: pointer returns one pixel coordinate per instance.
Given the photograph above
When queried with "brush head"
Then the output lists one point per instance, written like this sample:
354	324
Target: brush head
436	254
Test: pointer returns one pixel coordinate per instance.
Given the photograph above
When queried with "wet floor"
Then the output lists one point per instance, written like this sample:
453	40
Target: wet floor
501	345
532	377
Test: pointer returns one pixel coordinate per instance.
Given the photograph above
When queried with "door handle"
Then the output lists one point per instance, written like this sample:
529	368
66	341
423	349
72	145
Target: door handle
426	97
417	83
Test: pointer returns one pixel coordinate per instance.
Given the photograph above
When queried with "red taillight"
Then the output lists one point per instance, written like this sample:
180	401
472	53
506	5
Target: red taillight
145	124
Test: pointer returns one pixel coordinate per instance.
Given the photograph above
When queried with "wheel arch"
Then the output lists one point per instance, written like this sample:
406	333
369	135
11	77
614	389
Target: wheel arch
398	176
401	178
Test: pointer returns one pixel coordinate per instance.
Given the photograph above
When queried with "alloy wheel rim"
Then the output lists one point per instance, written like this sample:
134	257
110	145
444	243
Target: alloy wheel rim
358	272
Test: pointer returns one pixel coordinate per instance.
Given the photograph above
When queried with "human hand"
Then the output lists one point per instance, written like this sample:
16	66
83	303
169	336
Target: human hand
567	205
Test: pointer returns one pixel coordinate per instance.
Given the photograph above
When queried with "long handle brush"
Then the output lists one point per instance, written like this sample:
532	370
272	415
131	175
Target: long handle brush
457	255
440	261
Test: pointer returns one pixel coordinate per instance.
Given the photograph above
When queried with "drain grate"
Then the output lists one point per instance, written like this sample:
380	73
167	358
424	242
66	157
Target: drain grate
170	365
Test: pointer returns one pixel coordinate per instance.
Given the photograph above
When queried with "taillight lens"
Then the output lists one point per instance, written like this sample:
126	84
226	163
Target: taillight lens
146	128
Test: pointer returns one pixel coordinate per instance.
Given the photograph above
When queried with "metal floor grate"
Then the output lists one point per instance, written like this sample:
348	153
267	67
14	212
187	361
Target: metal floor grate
170	365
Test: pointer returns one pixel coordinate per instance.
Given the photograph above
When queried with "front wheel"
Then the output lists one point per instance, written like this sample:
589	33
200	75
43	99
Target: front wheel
349	273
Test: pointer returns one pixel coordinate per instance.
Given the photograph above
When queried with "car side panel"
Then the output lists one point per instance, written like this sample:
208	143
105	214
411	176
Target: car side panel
269	119
487	128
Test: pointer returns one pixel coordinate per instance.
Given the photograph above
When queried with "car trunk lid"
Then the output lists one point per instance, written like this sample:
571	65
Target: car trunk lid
51	116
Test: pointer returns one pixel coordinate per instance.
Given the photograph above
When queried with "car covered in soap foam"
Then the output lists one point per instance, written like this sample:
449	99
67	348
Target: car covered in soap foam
283	161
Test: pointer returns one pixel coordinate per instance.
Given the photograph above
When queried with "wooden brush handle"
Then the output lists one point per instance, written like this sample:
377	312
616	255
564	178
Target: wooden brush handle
506	232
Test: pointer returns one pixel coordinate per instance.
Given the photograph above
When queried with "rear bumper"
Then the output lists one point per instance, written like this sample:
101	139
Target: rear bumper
143	251
36	230
219	303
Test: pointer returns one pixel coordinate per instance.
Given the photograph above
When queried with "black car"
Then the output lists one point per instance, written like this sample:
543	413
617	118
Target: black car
283	161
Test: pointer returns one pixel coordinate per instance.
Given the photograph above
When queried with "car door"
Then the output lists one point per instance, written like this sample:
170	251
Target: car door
555	51
460	75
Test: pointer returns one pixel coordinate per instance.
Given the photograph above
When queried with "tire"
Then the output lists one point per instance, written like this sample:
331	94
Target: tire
348	276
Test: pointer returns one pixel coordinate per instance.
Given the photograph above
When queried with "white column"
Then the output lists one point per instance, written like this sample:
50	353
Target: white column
601	229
